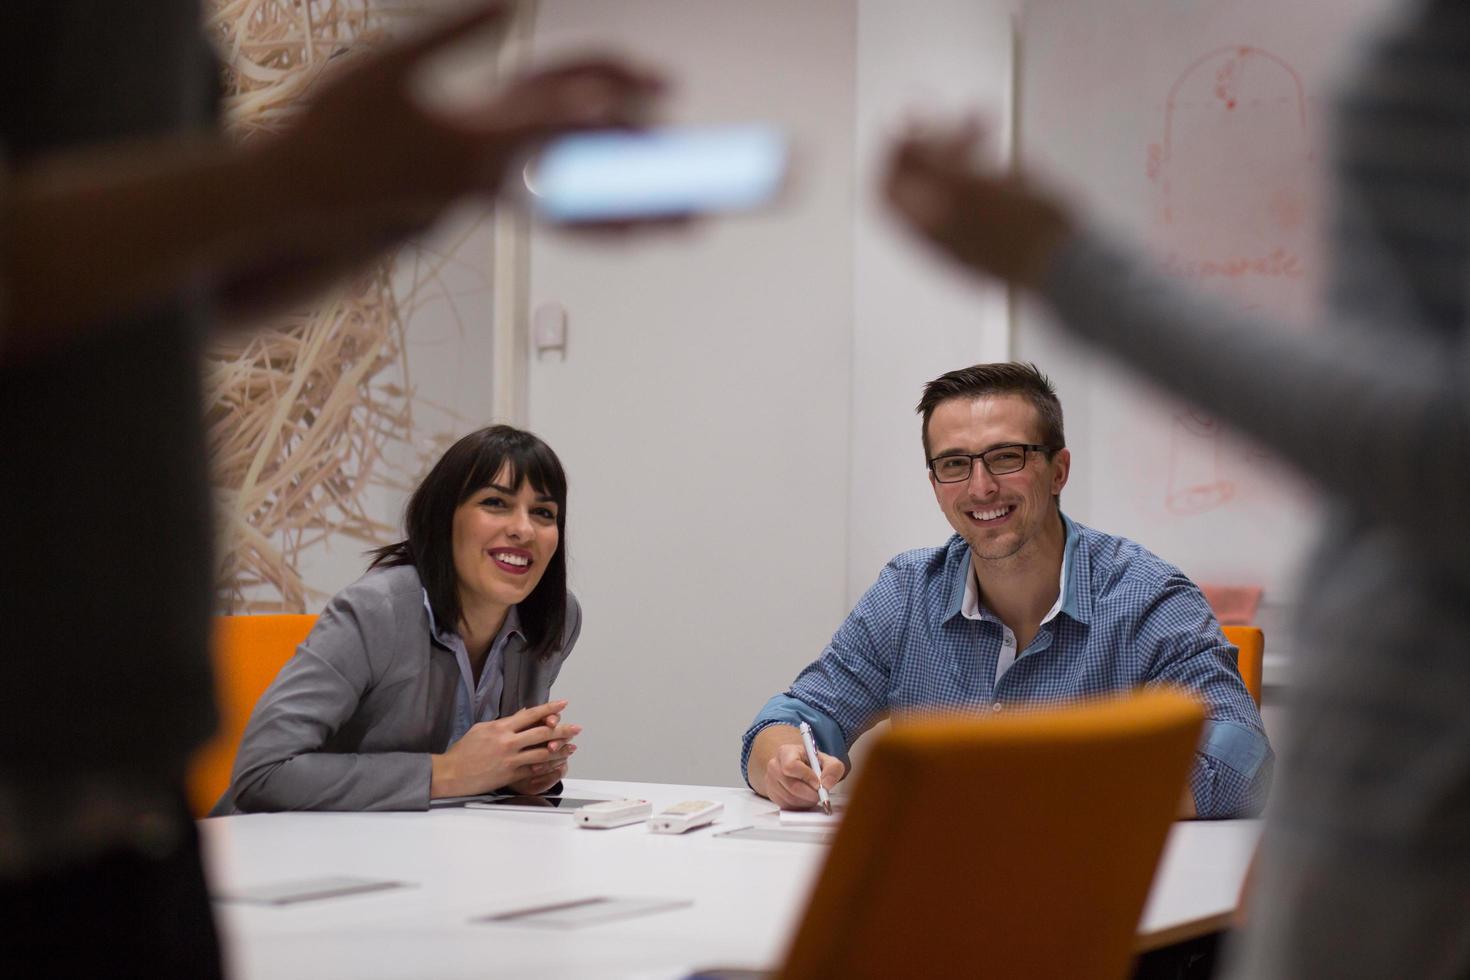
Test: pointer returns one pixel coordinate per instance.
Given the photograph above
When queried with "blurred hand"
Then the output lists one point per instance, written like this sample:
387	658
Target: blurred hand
790	782
515	749
990	223
367	150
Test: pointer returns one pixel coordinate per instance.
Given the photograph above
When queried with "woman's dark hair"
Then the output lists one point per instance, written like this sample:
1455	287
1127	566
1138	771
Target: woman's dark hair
471	464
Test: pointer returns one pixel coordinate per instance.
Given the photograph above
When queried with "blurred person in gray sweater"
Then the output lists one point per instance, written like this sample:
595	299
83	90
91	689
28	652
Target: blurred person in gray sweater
128	227
1365	867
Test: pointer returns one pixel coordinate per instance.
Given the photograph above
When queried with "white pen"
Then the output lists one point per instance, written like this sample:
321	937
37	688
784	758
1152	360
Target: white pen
811	757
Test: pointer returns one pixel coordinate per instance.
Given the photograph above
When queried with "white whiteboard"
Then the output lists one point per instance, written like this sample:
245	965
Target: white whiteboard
1200	130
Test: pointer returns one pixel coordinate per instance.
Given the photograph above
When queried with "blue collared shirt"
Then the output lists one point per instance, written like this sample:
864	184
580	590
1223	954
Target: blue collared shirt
476	702
1125	618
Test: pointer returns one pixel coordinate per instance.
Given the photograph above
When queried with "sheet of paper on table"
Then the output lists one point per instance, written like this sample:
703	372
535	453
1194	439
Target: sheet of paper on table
787	835
306	890
588	911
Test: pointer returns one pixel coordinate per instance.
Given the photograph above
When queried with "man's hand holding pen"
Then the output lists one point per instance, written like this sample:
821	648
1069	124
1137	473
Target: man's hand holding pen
790	781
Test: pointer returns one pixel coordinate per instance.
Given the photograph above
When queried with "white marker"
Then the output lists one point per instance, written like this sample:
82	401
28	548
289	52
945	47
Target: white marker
811	757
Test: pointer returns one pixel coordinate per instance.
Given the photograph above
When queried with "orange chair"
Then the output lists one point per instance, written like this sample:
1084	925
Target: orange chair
1007	846
248	653
1252	644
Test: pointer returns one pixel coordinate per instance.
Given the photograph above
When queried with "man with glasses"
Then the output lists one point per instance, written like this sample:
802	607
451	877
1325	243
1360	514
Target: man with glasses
1022	606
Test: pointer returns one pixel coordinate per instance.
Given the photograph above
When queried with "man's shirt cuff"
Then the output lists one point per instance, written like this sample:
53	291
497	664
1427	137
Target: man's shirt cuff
783	709
1238	770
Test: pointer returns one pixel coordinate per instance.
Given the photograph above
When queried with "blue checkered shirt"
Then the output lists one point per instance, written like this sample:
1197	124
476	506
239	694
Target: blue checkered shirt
1127	619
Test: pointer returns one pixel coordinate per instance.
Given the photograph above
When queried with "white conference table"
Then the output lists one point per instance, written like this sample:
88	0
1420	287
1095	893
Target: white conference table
464	864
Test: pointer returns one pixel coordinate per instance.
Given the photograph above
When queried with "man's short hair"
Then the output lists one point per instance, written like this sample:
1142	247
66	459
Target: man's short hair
1003	378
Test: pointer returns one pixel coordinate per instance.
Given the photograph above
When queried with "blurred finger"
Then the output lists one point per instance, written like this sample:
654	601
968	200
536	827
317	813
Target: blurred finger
613	67
956	145
582	95
613	230
918	197
602	91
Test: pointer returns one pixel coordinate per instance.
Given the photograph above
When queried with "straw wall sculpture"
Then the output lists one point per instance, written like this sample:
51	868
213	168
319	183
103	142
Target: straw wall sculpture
301	413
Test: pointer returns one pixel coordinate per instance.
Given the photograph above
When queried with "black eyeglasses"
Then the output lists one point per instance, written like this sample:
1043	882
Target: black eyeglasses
955	467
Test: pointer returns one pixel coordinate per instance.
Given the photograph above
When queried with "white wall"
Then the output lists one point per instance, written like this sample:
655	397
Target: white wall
736	405
701	410
913	318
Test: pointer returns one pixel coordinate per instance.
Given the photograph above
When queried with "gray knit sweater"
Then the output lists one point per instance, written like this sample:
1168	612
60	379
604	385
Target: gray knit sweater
1367	870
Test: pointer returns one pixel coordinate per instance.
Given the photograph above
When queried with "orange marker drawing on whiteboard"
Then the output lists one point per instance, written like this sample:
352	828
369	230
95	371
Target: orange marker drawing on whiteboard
1233	179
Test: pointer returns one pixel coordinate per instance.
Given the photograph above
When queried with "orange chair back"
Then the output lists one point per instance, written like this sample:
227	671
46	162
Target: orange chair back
248	653
1005	846
1252	645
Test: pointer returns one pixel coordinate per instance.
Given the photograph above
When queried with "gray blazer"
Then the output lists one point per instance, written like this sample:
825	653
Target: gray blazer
351	720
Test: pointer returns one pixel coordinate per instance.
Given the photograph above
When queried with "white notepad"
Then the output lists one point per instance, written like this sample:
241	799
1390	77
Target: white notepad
811	818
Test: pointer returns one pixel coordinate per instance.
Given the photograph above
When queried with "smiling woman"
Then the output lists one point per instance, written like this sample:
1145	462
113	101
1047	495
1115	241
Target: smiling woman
430	675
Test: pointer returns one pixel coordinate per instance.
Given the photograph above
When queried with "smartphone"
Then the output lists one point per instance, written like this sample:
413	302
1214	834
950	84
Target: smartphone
618	175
